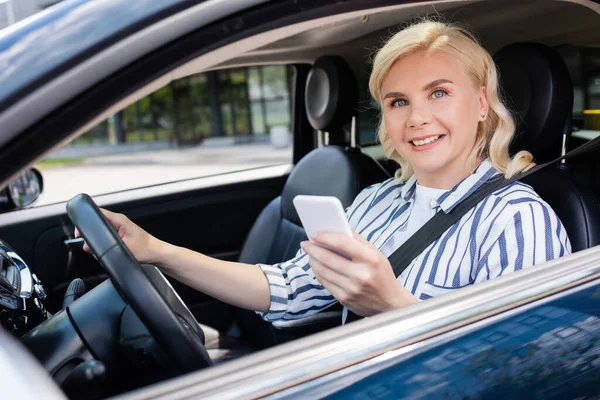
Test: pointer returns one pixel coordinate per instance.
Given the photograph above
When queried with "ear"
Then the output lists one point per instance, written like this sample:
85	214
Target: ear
484	105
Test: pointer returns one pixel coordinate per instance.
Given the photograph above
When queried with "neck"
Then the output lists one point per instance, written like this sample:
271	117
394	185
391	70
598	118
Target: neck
446	179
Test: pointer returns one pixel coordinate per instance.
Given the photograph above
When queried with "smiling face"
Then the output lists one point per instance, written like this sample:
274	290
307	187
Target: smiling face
431	111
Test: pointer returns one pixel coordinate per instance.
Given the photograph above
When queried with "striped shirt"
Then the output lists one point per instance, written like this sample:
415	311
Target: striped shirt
511	229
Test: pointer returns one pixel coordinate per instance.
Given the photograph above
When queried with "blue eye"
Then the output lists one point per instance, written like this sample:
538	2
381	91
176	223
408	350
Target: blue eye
438	94
399	103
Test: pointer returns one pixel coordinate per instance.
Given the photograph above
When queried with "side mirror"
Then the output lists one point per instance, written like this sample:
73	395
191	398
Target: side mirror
22	191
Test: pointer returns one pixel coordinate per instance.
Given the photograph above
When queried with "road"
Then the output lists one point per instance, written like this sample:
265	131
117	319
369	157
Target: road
106	174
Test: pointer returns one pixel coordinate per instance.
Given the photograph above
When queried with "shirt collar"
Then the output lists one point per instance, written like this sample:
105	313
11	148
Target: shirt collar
458	193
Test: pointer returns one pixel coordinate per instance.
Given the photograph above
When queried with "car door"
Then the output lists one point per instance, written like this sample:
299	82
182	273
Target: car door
530	334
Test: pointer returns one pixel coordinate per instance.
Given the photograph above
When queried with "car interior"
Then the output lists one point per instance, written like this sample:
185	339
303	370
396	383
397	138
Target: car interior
251	218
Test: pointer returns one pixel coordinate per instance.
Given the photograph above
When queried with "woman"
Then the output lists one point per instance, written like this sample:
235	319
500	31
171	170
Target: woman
443	122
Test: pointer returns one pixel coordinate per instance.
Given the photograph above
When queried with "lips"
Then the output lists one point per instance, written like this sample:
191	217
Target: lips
426	142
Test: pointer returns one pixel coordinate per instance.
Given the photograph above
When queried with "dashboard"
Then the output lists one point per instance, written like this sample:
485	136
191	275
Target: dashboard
21	294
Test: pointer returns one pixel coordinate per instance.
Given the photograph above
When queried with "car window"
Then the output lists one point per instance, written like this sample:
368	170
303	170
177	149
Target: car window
584	69
368	109
206	124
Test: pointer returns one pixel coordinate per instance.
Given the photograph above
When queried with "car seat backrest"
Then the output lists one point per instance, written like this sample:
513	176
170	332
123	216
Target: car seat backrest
537	87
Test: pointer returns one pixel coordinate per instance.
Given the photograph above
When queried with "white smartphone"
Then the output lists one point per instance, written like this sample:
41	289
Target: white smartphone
320	214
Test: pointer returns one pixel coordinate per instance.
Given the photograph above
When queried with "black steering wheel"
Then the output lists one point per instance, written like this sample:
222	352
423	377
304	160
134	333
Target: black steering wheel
144	288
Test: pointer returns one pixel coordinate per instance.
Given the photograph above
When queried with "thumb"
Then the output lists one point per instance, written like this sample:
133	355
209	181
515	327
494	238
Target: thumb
110	216
116	220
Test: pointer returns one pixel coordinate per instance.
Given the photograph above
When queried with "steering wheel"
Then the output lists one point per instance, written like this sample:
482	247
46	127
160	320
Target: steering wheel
145	289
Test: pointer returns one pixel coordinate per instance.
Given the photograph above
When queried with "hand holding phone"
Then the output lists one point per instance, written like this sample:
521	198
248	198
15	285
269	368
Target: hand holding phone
322	214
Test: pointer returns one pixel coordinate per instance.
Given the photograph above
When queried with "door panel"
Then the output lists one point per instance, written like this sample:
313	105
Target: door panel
212	220
549	351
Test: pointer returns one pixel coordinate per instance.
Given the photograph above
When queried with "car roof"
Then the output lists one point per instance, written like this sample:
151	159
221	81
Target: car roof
43	46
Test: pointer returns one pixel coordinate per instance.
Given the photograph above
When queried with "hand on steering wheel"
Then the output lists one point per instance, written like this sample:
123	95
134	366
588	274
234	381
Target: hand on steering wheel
137	240
165	316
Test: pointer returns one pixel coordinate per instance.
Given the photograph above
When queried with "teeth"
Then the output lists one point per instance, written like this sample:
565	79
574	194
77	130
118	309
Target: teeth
425	141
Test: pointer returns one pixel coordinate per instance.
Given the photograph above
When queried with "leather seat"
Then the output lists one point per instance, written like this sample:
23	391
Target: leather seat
332	170
537	86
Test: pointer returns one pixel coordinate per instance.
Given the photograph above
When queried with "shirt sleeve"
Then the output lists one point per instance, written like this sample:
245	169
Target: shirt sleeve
295	291
533	235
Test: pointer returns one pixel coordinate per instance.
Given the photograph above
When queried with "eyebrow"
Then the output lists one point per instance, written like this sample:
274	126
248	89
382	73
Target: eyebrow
435	83
429	86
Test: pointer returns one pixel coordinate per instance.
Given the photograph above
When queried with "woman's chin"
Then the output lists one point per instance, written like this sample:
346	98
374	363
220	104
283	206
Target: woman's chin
429	161
432	166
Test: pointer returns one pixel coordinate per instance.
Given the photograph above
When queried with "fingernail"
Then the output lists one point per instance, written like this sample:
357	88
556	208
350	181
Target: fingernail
302	244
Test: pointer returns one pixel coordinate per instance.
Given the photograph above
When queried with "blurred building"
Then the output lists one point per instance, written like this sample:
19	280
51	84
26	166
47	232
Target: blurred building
241	104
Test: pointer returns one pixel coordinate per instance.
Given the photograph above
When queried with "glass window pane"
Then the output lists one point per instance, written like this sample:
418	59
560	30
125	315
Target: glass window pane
254	86
258	122
184	120
278	114
275	82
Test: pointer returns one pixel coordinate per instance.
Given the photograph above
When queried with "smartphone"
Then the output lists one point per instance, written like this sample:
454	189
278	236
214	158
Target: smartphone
320	214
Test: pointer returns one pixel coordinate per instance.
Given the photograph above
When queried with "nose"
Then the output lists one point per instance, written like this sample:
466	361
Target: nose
419	117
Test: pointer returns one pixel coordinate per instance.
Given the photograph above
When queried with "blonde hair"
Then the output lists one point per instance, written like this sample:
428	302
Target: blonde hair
494	134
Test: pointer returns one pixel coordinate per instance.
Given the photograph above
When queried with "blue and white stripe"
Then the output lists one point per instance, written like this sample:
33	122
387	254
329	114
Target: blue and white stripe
511	229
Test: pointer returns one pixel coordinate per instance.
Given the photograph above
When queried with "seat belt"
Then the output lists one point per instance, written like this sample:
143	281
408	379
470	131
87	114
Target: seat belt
441	222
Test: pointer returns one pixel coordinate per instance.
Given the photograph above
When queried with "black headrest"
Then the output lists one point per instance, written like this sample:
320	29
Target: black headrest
536	84
330	171
331	94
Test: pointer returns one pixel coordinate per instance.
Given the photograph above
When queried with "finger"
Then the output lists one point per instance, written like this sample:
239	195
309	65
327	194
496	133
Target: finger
112	217
328	258
327	279
323	273
358	250
85	246
116	220
335	240
362	240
